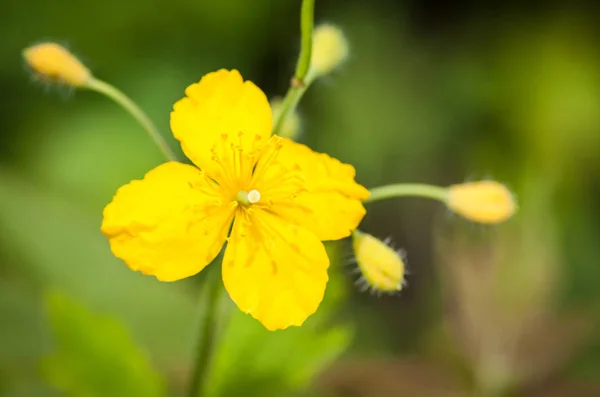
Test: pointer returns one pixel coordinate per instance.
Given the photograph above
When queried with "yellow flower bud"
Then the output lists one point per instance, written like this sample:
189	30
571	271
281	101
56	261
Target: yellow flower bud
382	268
483	202
291	125
56	63
329	49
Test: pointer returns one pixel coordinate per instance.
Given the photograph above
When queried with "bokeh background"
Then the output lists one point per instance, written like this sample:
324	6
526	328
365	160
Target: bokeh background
433	91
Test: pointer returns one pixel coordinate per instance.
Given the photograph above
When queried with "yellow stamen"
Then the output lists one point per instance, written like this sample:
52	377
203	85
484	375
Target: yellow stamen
269	154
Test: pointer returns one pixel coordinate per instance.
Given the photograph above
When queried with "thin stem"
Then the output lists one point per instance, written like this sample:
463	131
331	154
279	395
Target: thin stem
408	189
208	330
133	109
299	83
290	102
306	28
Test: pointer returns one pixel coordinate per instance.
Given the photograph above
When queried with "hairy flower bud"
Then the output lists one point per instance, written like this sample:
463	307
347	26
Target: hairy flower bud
381	266
330	49
484	202
55	63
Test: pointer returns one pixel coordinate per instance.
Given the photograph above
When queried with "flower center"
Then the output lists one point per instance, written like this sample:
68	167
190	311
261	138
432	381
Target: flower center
248	198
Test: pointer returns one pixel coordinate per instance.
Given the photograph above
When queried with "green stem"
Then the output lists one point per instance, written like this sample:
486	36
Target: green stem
208	330
126	103
408	189
299	83
290	102
306	28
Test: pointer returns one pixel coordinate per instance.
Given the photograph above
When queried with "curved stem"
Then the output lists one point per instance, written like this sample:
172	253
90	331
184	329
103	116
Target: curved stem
126	103
306	28
299	83
208	330
408	189
290	102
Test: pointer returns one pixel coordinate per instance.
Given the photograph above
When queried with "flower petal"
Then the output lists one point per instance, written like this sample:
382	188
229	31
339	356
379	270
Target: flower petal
171	224
322	197
275	271
222	105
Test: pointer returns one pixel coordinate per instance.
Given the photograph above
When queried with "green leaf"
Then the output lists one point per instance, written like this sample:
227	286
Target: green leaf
95	355
21	332
23	337
252	361
60	245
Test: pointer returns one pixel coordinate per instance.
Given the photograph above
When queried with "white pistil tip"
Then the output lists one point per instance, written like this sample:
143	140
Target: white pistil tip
254	196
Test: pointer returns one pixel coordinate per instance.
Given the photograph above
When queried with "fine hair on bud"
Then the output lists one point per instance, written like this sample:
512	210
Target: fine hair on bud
486	202
382	268
53	63
330	49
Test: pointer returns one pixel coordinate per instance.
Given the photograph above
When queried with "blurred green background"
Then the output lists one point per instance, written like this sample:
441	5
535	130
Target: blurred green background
432	92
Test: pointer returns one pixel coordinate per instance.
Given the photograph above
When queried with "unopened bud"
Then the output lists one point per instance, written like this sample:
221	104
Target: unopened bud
329	49
55	63
291	125
484	202
381	266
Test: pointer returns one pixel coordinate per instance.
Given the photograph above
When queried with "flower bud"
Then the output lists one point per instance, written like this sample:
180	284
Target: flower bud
291	125
55	63
382	268
484	201
329	49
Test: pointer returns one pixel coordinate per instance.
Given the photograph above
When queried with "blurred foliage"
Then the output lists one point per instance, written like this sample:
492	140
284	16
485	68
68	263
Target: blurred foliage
95	355
264	363
430	93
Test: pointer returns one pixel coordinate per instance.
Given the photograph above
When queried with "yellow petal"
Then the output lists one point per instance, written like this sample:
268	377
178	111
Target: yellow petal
274	271
219	111
171	224
322	197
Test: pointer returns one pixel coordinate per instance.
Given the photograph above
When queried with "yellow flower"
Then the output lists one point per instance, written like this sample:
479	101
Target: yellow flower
282	199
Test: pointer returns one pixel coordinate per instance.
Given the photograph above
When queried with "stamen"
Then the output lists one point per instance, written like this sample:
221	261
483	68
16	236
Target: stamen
288	184
207	187
271	151
222	175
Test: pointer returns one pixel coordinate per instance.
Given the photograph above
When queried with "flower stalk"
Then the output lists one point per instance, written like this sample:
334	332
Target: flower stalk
299	84
208	330
408	189
138	114
306	27
486	202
